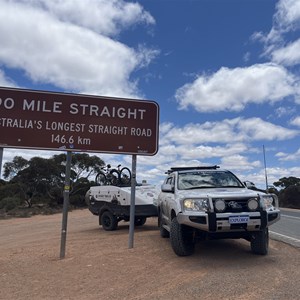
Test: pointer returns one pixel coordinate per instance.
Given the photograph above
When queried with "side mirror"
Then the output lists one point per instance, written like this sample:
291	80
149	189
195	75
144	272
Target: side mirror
249	184
167	188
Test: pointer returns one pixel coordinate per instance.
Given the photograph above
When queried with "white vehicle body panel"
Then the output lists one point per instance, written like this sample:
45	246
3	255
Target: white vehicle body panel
144	195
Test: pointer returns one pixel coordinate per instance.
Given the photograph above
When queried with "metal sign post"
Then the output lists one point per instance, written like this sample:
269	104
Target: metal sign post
132	202
66	206
1	158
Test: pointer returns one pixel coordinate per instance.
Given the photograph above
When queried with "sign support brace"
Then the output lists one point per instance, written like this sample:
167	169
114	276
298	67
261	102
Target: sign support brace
132	202
1	158
65	206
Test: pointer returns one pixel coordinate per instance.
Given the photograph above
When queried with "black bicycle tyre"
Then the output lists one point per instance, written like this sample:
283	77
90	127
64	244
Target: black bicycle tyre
125	176
101	179
114	177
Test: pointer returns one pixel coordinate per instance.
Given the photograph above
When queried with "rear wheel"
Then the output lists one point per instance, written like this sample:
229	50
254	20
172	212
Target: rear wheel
140	221
260	242
125	176
182	240
109	222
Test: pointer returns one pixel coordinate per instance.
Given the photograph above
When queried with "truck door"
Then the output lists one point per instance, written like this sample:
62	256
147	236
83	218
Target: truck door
167	199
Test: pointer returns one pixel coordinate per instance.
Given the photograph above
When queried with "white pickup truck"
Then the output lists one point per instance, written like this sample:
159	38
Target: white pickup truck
112	204
199	203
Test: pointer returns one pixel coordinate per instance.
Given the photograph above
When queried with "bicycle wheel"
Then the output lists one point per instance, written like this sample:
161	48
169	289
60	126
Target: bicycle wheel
101	179
113	177
125	176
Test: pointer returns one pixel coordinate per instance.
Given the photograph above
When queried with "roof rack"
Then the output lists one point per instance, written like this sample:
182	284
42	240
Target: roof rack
192	168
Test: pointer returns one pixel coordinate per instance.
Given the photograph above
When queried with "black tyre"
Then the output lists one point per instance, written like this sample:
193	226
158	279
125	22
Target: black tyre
109	222
125	176
164	233
113	177
182	239
101	178
260	242
140	221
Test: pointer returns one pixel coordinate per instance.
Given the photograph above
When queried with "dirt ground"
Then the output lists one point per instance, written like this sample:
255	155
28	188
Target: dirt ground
99	264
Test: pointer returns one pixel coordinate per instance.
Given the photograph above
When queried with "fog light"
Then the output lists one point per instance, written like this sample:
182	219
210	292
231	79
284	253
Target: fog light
220	205
252	204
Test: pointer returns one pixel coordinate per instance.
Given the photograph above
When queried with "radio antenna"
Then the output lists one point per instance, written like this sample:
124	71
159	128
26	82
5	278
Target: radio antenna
266	176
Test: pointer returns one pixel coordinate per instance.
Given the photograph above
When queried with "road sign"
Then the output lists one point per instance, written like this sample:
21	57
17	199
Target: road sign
59	121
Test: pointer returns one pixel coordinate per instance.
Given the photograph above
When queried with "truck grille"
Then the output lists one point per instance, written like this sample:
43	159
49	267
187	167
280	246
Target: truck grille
234	204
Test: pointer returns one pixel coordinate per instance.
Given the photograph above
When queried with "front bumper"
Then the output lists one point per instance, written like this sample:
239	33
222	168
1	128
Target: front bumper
219	222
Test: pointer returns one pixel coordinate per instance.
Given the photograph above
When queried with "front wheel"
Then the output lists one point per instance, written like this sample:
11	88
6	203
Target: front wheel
260	242
164	233
182	239
100	178
109	222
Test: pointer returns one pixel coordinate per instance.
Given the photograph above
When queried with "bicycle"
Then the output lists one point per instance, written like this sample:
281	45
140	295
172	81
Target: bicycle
116	177
108	176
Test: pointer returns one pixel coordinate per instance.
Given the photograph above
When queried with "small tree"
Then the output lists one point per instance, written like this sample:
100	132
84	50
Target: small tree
290	197
43	178
285	182
11	169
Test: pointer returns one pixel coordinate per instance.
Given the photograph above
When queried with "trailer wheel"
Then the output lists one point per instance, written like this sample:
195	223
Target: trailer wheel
109	222
140	221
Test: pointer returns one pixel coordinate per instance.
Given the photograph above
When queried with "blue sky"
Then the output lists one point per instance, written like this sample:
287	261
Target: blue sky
225	73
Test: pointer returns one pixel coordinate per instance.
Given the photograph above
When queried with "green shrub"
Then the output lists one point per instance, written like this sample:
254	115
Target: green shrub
9	203
77	200
290	197
9	190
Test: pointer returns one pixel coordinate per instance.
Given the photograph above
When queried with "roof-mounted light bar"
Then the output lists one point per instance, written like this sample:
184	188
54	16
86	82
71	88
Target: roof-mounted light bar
174	169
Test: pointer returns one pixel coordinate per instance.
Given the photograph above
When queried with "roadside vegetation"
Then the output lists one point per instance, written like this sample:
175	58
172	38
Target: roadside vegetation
289	194
36	186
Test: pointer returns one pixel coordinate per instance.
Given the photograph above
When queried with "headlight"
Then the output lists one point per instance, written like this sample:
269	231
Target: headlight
252	204
220	205
195	204
268	201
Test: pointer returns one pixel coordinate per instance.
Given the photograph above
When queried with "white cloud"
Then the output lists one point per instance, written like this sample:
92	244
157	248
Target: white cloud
288	157
239	162
289	55
5	81
273	174
232	89
296	121
284	111
205	152
102	16
66	54
257	129
287	17
228	131
285	21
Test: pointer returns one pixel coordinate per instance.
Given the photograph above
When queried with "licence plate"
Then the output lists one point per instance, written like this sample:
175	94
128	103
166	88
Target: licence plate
238	219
